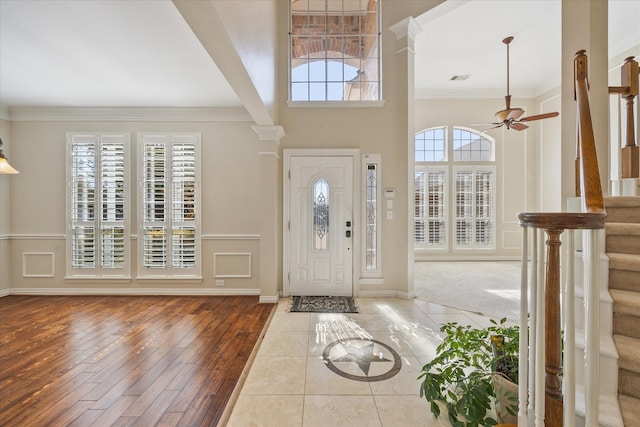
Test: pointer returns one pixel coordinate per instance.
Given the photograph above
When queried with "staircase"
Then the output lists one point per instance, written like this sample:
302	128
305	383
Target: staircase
623	249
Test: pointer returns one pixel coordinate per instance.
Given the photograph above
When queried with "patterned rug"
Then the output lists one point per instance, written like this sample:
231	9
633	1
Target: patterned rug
323	305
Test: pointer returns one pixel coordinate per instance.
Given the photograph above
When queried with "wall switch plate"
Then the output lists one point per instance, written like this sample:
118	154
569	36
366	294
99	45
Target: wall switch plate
219	282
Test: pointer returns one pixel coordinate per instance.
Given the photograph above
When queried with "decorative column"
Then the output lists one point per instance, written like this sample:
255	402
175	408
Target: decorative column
585	27
406	32
270	211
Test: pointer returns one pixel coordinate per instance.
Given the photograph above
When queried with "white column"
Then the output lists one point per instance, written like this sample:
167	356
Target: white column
406	32
584	26
270	211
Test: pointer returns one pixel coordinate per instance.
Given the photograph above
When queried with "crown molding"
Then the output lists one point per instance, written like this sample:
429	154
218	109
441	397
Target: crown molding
128	114
4	112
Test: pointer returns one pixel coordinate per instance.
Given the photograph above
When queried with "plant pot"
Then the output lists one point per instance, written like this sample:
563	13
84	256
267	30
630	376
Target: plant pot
506	392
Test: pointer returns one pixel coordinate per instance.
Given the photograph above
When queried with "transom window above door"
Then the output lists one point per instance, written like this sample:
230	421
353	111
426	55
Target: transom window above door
334	50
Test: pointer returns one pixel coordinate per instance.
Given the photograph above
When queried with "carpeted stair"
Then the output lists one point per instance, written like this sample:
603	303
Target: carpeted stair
623	250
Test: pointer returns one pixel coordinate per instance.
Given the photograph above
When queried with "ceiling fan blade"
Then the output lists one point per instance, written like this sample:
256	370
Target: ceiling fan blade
518	126
539	116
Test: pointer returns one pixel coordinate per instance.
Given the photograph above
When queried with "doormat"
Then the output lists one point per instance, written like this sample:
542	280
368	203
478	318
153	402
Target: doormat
323	305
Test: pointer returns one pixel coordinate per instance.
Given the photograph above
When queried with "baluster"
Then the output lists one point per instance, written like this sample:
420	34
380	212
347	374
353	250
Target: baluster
553	344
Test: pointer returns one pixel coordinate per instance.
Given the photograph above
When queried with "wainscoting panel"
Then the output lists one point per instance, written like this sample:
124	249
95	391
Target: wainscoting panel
38	264
231	265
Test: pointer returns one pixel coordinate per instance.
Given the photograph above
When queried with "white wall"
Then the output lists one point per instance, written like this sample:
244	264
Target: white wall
230	173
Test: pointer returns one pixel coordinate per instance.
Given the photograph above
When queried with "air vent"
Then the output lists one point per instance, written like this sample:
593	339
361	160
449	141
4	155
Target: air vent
460	77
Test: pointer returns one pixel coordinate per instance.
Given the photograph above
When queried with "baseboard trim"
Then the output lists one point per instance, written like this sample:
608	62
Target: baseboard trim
128	291
383	293
269	299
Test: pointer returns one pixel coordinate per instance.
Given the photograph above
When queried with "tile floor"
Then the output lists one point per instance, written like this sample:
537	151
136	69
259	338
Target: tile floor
358	385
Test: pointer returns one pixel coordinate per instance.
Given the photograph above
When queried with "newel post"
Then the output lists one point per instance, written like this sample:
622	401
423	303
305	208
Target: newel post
553	339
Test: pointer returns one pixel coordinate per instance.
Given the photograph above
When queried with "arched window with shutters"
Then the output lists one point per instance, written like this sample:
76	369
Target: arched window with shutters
454	190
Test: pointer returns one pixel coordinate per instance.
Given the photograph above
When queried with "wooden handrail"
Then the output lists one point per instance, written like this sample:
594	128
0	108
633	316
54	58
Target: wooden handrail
554	224
590	186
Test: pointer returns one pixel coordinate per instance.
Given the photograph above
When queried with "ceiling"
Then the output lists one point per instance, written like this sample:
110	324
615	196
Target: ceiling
114	53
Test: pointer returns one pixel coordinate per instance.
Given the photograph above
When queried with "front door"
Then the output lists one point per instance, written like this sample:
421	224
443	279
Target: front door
321	225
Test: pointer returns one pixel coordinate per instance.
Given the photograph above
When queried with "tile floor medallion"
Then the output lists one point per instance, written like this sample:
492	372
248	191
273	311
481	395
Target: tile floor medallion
362	359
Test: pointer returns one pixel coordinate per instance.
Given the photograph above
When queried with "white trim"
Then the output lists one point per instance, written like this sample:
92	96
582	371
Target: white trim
217	255
230	237
128	114
268	299
4	112
383	293
371	281
335	104
5	292
36	236
354	153
52	255
135	291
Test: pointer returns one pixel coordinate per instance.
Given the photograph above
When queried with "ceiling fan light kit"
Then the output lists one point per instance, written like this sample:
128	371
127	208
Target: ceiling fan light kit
510	117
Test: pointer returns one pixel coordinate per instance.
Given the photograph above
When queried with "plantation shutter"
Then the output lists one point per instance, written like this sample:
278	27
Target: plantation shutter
474	207
170	206
183	212
97	183
430	207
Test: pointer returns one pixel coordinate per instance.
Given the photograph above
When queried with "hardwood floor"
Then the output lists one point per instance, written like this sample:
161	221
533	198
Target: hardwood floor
123	361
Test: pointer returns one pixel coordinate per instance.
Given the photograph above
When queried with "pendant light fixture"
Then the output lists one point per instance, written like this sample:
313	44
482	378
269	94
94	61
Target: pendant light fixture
5	167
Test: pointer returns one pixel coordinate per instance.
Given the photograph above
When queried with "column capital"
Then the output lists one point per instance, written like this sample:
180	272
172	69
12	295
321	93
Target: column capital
408	28
269	133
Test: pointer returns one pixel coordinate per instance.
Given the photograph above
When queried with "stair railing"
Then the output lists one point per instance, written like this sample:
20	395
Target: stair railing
546	379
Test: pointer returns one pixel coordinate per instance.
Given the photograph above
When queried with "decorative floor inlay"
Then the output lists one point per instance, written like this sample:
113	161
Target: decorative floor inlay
362	359
314	304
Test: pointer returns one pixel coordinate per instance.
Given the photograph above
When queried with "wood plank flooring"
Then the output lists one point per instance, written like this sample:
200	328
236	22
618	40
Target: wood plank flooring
123	361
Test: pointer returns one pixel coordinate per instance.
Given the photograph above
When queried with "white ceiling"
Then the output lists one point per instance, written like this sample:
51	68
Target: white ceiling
142	53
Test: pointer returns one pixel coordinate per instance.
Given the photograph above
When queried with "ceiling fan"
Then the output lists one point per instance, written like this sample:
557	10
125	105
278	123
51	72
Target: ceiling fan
511	117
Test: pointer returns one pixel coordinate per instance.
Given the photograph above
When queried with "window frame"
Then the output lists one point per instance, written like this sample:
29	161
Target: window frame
451	167
169	271
426	169
327	58
98	271
473	168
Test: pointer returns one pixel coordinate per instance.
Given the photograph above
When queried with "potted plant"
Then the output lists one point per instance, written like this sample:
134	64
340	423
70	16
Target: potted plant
461	376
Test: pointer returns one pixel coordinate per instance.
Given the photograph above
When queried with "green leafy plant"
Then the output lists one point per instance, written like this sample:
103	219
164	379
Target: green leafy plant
460	377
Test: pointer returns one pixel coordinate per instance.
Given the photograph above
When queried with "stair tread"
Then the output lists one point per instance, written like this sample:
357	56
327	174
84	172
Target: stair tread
630	413
624	261
625	228
621	201
628	352
628	298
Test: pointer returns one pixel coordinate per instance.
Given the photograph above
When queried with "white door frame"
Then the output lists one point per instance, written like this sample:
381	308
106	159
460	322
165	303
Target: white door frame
320	152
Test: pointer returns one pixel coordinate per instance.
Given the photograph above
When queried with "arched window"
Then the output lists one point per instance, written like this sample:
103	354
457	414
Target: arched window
335	50
456	215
